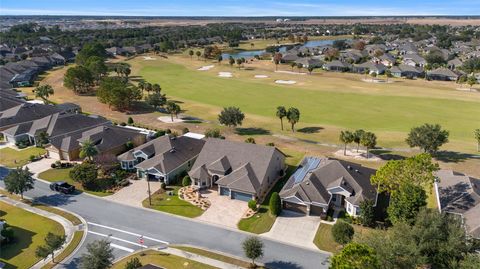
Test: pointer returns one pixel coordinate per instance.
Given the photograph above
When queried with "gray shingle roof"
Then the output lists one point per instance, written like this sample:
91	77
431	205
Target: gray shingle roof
331	173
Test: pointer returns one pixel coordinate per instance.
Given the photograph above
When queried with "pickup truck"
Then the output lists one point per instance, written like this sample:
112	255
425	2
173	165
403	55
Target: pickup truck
62	186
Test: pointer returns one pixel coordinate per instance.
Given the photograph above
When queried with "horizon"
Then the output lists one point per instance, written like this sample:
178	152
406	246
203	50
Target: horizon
247	8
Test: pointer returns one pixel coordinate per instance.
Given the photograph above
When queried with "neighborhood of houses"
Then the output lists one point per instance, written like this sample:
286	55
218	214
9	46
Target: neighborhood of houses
236	170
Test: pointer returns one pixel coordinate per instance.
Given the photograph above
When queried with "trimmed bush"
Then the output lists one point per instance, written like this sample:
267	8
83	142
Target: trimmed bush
185	130
252	204
342	232
186	181
130	121
275	204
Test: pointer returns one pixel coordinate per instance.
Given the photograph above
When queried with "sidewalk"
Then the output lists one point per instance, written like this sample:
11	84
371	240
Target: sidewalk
67	225
199	258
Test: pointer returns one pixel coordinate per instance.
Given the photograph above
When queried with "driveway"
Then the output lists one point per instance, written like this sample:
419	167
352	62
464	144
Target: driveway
134	193
40	166
295	228
223	210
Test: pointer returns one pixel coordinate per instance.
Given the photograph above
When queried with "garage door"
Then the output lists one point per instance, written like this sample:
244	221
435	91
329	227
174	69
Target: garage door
224	191
316	210
295	207
241	196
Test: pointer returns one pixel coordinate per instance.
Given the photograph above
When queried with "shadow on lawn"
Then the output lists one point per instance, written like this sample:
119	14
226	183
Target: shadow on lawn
22	240
252	131
454	157
310	130
386	155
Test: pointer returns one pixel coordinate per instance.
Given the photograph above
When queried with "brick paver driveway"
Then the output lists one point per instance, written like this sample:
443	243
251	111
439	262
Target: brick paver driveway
223	211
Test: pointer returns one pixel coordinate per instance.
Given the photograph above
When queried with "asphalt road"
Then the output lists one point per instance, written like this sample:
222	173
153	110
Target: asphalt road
124	225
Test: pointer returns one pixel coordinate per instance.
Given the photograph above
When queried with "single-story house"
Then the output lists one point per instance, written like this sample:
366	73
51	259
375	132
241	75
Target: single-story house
407	71
109	141
459	194
25	78
386	59
242	171
25	112
337	65
414	60
321	183
442	74
371	67
454	63
162	158
309	62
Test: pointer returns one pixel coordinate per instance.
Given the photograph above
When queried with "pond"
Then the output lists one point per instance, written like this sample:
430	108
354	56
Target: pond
252	53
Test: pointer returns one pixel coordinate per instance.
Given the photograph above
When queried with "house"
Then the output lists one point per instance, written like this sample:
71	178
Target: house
25	112
109	140
289	57
242	171
322	183
309	62
442	73
414	60
386	59
53	125
407	71
459	194
163	158
25	78
454	64
371	67
337	66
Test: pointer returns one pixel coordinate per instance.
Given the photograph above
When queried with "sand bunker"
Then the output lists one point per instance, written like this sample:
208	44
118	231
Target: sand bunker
261	76
290	72
148	58
369	80
206	68
360	155
225	74
289	82
466	90
168	119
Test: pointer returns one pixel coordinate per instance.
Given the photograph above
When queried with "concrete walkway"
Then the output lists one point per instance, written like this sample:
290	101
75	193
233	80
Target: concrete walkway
196	257
67	225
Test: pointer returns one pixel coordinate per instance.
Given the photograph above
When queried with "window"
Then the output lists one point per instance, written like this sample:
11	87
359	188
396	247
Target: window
334	198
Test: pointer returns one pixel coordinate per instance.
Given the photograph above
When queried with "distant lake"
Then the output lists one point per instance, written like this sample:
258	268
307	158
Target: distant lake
252	53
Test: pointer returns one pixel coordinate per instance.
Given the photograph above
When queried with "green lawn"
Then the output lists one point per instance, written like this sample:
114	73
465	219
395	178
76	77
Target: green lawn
30	231
215	256
161	201
77	238
63	174
162	259
263	221
324	238
14	158
389	110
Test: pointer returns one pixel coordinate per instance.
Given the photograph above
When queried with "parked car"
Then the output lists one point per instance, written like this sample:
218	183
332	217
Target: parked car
62	187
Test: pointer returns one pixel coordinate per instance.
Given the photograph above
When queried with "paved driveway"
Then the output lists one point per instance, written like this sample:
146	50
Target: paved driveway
223	210
294	228
42	165
134	193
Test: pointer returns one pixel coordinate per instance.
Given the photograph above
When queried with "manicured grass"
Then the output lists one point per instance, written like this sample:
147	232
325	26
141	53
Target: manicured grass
215	256
389	110
30	231
63	174
263	221
161	201
432	198
259	44
14	158
162	259
77	238
324	238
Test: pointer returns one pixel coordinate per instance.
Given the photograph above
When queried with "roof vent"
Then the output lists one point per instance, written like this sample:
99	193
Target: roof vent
172	150
308	183
358	171
349	167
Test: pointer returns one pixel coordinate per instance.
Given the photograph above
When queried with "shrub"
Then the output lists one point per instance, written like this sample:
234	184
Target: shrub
32	158
85	173
134	263
215	133
250	140
130	121
185	130
53	165
162	186
8	233
159	133
123	124
270	144
186	181
129	145
342	232
275	204
168	131
252	204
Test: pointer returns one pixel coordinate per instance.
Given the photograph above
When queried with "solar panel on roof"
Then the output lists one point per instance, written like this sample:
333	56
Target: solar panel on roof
310	164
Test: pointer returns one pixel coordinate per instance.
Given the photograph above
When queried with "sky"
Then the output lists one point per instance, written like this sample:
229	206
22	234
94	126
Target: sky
245	8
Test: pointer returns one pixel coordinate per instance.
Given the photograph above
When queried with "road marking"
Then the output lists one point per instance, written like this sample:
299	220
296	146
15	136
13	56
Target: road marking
121	247
127	232
118	239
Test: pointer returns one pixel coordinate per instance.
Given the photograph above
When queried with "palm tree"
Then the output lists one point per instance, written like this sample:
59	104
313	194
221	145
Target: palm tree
172	108
293	116
281	113
310	70
366	72
293	65
191	53
369	140
44	92
277	59
156	88
220	59
346	137
141	85
239	62
198	53
148	87
357	136
88	150
299	66
231	61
